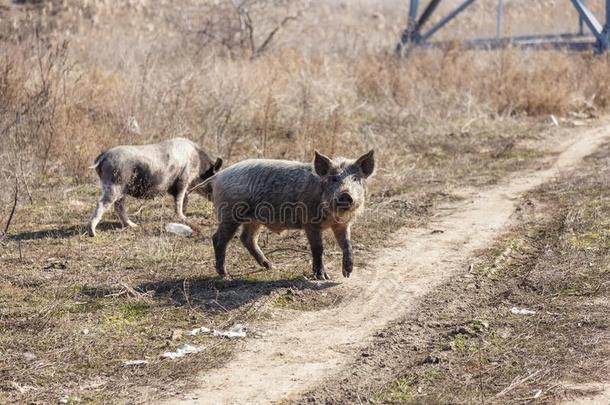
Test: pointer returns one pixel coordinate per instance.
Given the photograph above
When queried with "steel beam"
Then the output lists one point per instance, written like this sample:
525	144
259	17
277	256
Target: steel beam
407	35
588	17
413	5
412	34
493	43
499	14
581	27
446	19
603	41
427	13
567	40
530	41
602	33
561	36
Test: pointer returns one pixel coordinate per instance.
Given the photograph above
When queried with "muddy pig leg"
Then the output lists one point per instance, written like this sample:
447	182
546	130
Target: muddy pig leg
249	237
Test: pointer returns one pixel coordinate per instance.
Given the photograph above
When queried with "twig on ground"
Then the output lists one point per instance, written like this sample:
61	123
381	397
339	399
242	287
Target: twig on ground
220	305
516	382
186	291
127	289
142	207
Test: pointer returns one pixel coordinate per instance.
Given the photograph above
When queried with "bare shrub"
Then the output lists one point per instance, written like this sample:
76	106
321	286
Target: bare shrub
29	112
237	27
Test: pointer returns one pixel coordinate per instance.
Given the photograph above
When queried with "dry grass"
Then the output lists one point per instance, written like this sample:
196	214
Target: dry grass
74	92
326	80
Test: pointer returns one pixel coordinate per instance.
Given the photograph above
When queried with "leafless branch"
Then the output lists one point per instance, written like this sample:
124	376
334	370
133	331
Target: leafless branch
269	38
15	200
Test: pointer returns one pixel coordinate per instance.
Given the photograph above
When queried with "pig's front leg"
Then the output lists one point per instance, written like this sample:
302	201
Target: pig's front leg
343	236
314	236
110	193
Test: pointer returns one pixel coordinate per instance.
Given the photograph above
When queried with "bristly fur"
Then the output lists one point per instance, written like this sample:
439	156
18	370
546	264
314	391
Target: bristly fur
146	171
282	194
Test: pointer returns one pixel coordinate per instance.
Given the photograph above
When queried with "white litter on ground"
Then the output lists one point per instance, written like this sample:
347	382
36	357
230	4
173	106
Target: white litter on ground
179	229
27	356
236	331
129	363
133	126
197	331
182	351
553	120
521	311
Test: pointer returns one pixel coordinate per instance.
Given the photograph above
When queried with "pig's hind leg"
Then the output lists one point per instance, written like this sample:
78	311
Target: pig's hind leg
121	211
185	203
181	201
249	237
225	232
178	190
110	193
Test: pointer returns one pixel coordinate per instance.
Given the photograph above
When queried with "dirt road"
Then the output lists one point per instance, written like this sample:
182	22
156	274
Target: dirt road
309	347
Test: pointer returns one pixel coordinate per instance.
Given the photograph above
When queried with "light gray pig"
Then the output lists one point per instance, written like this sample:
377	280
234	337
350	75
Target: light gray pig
281	195
147	171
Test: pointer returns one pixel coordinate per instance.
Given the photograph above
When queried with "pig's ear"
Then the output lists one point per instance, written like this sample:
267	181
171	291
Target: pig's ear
366	163
322	164
217	164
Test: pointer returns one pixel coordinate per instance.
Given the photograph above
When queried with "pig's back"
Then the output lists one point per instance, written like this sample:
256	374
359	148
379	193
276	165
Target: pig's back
147	170
265	180
169	154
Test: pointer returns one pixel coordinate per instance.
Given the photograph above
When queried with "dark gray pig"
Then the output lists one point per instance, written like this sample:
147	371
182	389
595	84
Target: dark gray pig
147	171
282	195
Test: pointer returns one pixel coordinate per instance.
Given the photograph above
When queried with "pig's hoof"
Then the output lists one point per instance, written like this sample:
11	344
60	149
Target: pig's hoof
223	275
322	275
91	231
182	217
346	273
267	264
131	224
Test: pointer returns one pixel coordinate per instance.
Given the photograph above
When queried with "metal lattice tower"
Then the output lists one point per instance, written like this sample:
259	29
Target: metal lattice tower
414	35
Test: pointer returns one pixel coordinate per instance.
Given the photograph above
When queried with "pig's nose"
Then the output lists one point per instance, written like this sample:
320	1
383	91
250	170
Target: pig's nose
345	200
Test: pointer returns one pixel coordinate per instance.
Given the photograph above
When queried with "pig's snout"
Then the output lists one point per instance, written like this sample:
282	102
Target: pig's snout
345	201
